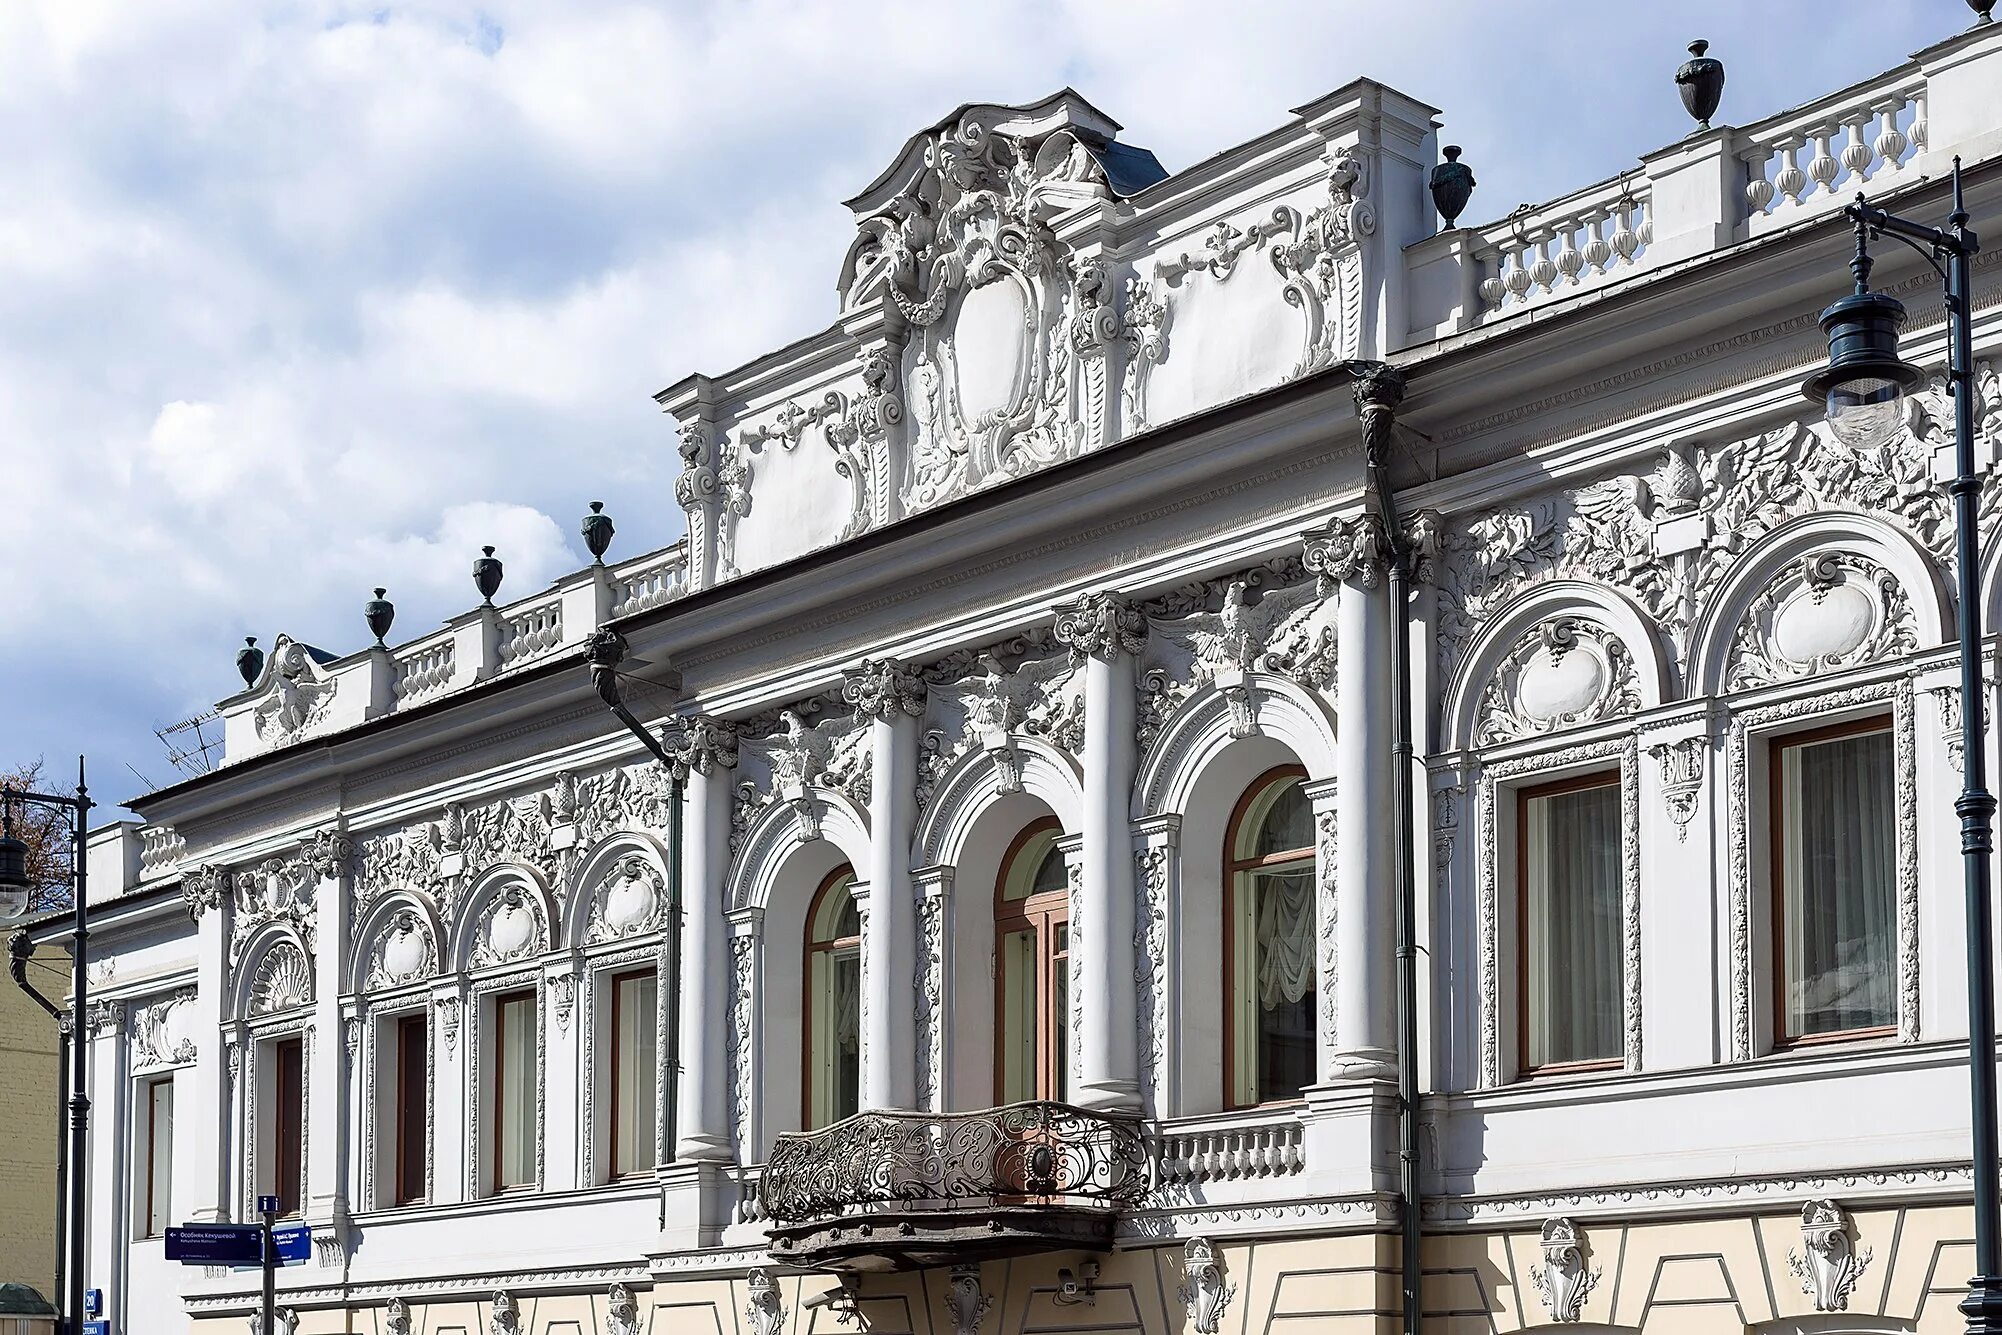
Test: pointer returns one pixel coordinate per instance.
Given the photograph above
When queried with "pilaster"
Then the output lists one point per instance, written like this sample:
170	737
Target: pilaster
892	699
706	758
201	1186
328	858
1108	632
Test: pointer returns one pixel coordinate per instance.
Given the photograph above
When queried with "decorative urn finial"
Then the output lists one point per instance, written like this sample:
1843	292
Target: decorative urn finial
379	612
598	531
1981	8
1701	82
249	660
487	575
1452	183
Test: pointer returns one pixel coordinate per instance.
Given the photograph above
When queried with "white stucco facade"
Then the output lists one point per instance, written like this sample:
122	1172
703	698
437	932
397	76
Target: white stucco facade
1063	520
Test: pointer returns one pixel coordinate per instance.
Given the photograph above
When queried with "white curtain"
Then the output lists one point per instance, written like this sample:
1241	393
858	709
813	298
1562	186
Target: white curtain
1573	927
1285	931
1840	865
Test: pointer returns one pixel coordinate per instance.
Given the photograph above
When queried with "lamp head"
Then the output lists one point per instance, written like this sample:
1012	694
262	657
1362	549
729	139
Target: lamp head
1865	382
14	884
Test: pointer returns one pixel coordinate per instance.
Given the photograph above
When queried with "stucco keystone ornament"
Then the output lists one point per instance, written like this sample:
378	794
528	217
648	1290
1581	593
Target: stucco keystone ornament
622	1312
506	1318
1563	1279
1203	1289
284	1321
765	1313
1831	1265
881	689
1101	625
396	1318
964	1302
328	853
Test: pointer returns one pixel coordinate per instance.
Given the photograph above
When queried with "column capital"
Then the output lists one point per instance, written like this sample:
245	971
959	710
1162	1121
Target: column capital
205	888
883	689
704	745
1101	625
329	853
1346	551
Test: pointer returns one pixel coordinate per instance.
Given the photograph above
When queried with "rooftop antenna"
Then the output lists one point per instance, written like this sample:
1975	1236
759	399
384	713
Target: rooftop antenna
189	749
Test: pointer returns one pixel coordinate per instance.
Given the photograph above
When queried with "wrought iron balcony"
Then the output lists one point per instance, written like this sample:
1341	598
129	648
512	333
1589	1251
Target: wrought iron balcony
890	1191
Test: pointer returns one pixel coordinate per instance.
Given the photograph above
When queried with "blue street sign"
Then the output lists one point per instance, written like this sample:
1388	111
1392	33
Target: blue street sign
97	1328
93	1302
293	1243
216	1244
267	1205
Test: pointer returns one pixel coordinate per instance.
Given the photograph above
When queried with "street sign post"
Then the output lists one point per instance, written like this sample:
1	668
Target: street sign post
216	1244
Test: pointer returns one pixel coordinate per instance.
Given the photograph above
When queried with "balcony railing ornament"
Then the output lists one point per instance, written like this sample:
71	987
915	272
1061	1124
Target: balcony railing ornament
1025	1153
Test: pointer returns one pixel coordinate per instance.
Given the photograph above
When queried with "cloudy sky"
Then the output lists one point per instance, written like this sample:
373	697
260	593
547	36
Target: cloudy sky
301	297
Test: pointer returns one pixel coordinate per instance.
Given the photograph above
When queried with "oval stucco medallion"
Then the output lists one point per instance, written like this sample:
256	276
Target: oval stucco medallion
1813	629
991	350
1557	686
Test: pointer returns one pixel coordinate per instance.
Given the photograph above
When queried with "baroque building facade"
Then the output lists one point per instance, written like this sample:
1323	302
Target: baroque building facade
990	922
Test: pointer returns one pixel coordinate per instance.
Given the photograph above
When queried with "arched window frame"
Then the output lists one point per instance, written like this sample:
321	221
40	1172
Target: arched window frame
1246	821
823	916
1046	915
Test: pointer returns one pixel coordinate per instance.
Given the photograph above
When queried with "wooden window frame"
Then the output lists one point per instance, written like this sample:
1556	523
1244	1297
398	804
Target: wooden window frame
1040	914
810	991
1777	816
148	1087
288	1124
409	1117
499	1092
1571	783
1233	867
616	982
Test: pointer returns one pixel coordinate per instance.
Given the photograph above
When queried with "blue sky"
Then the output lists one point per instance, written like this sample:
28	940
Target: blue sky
300	298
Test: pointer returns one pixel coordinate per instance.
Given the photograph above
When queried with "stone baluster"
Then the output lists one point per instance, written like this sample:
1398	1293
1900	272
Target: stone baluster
892	699
1108	632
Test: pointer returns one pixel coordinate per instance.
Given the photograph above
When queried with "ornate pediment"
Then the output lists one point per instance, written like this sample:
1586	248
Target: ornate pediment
294	690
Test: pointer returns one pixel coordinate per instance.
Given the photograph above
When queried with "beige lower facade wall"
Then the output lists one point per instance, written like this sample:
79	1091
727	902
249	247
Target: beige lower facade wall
28	1111
1711	1276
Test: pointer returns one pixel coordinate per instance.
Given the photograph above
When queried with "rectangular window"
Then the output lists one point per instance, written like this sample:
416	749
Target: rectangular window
1835	864
288	1122
1571	959
514	1064
413	1107
633	1071
157	1100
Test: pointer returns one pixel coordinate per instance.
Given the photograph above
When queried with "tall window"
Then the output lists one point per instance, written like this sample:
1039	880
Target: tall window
1032	980
515	1040
288	1122
157	1121
1835	866
1570	958
413	1122
633	1029
834	1002
1269	941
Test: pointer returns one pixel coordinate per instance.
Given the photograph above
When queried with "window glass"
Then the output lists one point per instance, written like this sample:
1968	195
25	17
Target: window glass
1271	943
159	1125
1031	925
633	1072
1838	903
412	1107
834	1003
1572	959
288	1119
514	1091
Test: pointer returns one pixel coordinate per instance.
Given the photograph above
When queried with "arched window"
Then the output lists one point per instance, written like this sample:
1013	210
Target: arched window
1032	977
833	1046
1268	941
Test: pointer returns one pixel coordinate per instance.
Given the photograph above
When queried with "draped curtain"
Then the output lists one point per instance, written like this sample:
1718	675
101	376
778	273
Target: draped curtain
1839	864
1572	926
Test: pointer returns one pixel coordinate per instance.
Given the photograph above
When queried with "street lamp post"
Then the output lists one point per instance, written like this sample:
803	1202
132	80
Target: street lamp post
14	891
1862	386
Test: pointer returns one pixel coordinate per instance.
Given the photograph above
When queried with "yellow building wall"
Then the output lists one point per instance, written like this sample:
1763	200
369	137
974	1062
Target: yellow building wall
28	1084
1715	1276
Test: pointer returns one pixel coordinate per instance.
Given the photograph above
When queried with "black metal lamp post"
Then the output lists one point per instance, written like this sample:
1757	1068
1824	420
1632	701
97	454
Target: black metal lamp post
1863	385
14	889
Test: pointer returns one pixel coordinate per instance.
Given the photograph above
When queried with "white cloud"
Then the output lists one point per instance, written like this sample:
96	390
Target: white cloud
301	298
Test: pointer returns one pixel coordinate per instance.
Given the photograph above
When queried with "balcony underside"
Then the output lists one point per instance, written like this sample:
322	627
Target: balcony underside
916	1239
